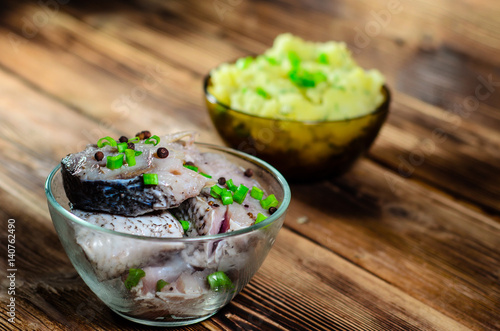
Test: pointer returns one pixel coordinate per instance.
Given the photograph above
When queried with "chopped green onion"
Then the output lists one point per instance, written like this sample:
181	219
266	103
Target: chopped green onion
160	284
231	185
270	201
243	63
272	60
121	147
304	78
106	141
257	193
133	278
191	167
134	140
215	191
114	162
206	175
137	153
260	91
219	281
260	218
130	157
185	225
319	77
300	81
150	140
150	179
226	197
323	58
294	59
240	194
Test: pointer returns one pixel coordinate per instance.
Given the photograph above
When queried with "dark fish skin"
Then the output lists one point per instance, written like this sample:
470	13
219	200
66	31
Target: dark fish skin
118	196
91	186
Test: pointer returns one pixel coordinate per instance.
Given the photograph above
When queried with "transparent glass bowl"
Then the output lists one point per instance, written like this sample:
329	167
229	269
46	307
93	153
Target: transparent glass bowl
300	150
238	254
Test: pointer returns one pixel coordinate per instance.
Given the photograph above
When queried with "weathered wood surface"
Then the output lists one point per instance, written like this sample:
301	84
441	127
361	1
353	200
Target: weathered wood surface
409	239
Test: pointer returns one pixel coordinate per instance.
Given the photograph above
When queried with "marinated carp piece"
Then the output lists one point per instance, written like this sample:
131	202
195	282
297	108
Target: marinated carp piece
91	186
112	256
208	215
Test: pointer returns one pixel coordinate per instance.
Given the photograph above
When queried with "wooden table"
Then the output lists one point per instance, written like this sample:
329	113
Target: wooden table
409	239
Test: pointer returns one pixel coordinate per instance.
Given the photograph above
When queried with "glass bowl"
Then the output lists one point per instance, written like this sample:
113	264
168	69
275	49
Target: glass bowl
238	254
300	150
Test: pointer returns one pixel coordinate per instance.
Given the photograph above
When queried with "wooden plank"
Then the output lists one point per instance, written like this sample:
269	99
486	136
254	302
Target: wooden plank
457	156
444	76
423	236
95	47
129	96
378	261
480	178
415	239
56	290
67	302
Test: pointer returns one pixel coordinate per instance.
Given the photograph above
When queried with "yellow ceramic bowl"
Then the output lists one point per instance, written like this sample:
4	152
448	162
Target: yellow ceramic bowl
300	150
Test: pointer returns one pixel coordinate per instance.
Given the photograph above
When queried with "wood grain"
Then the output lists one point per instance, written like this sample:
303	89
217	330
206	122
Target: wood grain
398	243
411	159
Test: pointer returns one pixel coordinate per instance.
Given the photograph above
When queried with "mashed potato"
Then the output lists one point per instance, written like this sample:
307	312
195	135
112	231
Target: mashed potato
299	80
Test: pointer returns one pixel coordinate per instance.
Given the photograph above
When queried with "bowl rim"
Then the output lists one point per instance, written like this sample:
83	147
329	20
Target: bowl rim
383	107
51	200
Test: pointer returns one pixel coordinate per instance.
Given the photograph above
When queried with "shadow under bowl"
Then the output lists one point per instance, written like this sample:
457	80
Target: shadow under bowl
300	150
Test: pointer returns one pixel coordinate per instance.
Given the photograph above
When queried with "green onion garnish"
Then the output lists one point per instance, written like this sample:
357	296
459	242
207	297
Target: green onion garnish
121	147
160	284
226	197
134	140
270	201
130	157
106	141
133	278
319	77
304	78
150	140
206	175
272	60
150	179
216	191
185	225
298	80
137	153
219	281
294	59
240	194
243	63
191	167
114	162
231	186
323	58
260	218
260	91
256	193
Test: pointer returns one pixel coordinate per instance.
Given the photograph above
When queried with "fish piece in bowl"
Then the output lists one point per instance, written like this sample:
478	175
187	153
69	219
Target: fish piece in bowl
105	182
111	257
